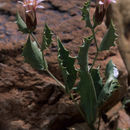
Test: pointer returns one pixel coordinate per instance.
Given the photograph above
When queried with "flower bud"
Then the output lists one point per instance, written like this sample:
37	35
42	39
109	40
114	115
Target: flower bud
101	9
106	3
31	20
30	7
99	15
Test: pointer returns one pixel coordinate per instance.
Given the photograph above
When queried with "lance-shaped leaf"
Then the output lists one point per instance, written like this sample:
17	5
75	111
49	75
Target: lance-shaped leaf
47	37
85	14
109	38
21	24
97	80
83	54
33	55
86	87
111	84
88	99
67	65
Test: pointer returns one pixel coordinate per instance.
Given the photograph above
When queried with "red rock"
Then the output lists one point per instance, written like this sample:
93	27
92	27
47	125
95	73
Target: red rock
30	99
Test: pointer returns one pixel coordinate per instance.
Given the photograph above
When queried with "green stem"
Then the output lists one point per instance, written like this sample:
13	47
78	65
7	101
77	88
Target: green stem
62	86
95	58
99	123
92	127
35	39
46	69
77	105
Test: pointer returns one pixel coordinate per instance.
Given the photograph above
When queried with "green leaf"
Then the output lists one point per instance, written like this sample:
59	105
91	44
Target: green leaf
97	81
47	37
88	100
21	24
67	65
111	84
86	87
108	39
85	14
83	54
33	55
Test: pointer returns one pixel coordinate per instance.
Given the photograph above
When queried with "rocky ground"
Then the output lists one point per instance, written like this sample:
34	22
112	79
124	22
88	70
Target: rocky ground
30	99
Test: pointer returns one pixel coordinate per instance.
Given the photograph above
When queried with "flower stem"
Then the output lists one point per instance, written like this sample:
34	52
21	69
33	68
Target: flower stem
35	39
77	105
95	58
99	122
62	86
92	127
46	69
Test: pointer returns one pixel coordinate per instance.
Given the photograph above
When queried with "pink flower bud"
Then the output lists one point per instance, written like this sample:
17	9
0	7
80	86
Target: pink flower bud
101	8
30	7
99	15
105	3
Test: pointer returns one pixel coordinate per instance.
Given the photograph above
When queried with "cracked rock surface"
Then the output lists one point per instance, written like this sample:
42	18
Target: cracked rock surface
29	99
